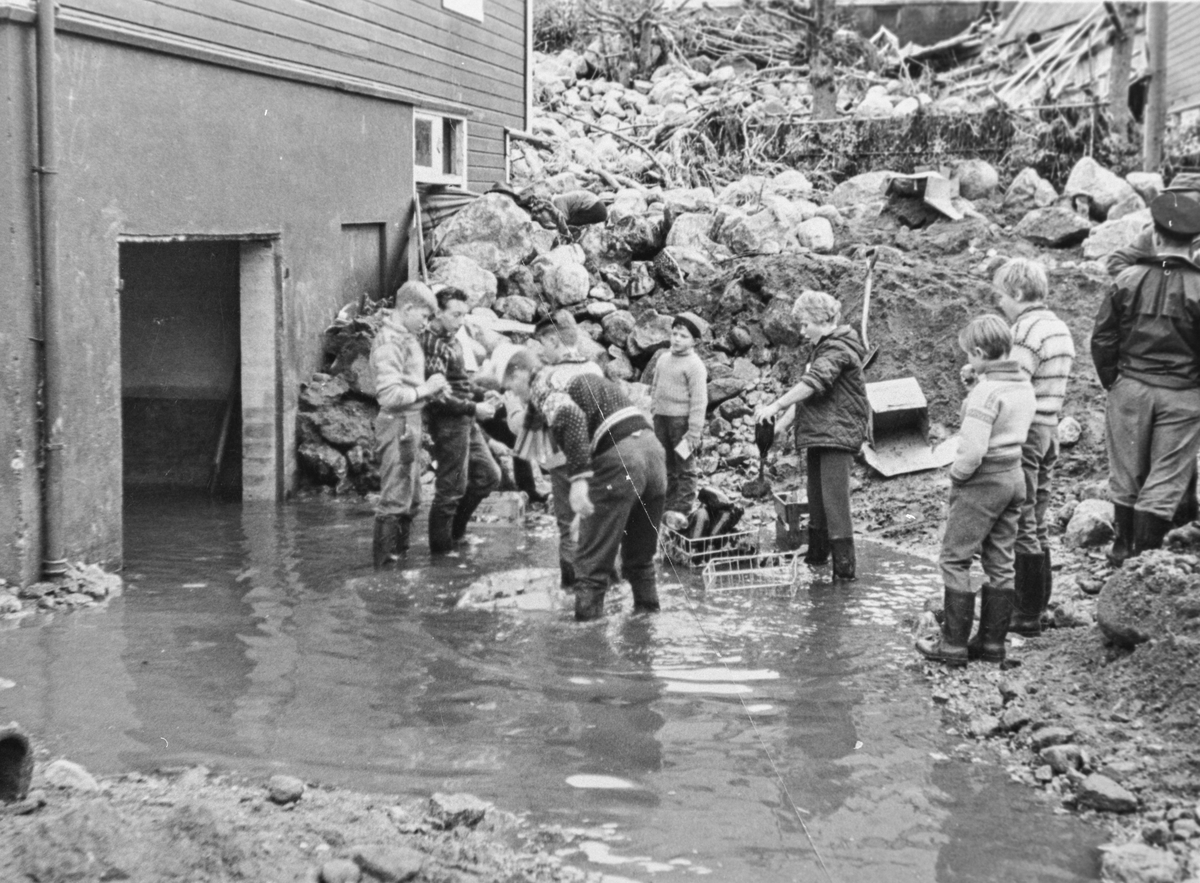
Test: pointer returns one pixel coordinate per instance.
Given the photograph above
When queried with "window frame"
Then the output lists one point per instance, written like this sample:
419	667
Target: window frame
472	9
436	172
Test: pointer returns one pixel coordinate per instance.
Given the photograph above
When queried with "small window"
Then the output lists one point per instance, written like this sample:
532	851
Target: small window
470	8
439	149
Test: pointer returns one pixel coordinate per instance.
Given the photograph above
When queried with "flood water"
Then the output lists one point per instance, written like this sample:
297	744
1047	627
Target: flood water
739	735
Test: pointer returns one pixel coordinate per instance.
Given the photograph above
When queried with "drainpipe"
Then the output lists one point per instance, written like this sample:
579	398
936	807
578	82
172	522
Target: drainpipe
53	563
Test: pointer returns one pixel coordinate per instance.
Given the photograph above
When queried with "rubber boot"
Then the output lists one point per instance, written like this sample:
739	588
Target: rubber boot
995	611
1122	544
1148	531
385	546
1047	585
645	596
462	516
589	602
818	547
1029	590
950	646
567	569
441	534
843	558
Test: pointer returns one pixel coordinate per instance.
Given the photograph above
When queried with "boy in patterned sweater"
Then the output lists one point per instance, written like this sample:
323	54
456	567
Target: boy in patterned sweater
986	493
1043	348
617	473
678	402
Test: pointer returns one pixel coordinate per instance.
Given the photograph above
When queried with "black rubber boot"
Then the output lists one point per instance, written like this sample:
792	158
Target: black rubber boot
818	547
441	535
567	569
385	547
843	558
1029	590
462	517
995	609
1122	544
589	603
1148	531
645	596
950	646
1047	584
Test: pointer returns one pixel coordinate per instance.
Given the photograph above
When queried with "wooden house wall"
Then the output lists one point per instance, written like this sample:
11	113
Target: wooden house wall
1183	56
415	45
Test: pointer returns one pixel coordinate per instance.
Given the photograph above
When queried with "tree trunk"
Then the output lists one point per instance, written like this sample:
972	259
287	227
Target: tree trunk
821	77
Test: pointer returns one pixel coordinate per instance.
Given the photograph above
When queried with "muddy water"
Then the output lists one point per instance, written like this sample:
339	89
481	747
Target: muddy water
740	735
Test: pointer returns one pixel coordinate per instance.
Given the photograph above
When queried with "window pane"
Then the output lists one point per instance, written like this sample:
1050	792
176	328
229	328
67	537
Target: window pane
423	142
450	146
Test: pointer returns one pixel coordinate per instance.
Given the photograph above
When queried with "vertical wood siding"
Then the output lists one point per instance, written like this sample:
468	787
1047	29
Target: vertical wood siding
409	44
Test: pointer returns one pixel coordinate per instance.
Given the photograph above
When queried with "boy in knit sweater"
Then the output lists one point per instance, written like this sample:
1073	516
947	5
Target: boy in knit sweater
986	493
1043	348
678	401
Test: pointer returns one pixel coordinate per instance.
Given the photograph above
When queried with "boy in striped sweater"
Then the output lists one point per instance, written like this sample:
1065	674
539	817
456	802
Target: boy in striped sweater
986	493
1043	348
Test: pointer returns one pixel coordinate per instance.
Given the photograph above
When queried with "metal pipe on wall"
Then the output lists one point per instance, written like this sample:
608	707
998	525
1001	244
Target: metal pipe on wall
1156	101
54	563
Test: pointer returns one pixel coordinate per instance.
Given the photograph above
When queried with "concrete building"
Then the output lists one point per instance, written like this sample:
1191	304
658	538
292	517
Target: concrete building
228	174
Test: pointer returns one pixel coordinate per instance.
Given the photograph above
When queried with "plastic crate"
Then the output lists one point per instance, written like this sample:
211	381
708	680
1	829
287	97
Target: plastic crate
682	549
766	570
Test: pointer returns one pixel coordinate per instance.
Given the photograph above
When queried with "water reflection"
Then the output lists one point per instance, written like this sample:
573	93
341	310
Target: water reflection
739	733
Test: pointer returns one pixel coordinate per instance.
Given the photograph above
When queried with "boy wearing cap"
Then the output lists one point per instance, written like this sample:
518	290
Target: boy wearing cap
402	389
678	402
1146	349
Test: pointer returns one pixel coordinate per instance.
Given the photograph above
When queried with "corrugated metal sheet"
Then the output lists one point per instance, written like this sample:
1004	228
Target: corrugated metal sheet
1026	18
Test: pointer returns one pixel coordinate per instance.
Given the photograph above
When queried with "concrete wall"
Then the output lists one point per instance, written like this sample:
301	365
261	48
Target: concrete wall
153	145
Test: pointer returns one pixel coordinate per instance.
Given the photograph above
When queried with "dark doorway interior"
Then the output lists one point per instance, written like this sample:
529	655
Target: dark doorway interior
180	360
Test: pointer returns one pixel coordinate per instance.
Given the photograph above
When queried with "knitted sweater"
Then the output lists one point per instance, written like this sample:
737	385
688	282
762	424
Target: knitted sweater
1043	348
398	363
580	415
444	355
679	388
996	418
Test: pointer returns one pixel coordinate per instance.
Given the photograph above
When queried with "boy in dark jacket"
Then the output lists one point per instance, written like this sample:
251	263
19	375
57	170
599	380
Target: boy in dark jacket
831	422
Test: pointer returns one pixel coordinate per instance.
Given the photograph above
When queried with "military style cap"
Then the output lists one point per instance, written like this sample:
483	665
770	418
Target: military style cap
1186	181
1178	212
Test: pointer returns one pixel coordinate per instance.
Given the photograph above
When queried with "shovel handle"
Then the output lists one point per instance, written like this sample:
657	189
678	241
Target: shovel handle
873	256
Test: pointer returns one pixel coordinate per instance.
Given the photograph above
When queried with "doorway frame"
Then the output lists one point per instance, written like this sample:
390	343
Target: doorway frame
261	326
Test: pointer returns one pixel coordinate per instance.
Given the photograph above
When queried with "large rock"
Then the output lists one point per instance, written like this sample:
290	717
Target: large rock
817	234
617	326
1153	595
681	201
791	183
635	237
1102	793
759	233
344	423
1054	227
459	271
864	188
778	324
748	190
1127	206
323	390
977	179
651	331
1029	188
324	463
1103	188
691	263
563	276
1135	862
692	230
492	230
1147	184
1108	237
1091	525
517	307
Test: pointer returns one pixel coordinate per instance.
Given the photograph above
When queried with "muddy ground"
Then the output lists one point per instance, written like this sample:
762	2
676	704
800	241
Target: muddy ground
1131	714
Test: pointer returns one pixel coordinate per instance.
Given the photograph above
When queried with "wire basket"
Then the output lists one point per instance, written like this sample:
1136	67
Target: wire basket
682	549
765	570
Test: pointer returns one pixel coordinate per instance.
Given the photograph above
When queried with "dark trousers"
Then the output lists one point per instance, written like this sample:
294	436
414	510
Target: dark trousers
681	473
466	473
628	488
1153	433
498	429
982	520
829	491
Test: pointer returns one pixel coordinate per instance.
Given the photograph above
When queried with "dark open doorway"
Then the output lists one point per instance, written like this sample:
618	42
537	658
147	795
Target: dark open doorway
180	367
